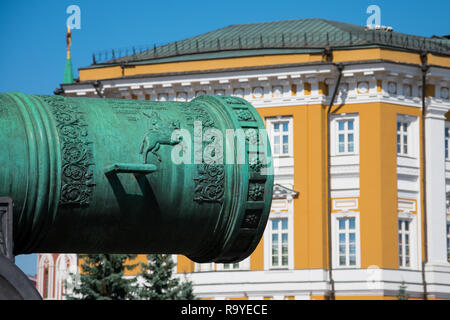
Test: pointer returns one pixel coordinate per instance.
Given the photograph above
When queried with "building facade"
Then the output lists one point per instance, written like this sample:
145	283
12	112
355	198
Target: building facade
359	126
54	275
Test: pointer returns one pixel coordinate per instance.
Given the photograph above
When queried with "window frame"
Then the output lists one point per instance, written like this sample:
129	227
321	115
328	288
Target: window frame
279	232
448	237
401	135
335	233
334	131
270	122
447	141
402	232
46	275
277	213
413	254
411	134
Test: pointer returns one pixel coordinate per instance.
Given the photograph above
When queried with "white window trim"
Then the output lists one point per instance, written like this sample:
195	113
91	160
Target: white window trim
413	135
448	237
268	238
447	126
269	127
413	262
279	243
334	135
335	233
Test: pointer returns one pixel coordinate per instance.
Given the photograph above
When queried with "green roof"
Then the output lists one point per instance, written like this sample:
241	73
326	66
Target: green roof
278	37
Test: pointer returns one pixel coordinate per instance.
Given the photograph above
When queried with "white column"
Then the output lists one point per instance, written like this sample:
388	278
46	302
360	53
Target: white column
435	185
314	88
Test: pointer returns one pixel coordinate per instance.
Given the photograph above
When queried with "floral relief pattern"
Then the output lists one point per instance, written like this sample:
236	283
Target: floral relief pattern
244	115
209	178
209	183
76	149
256	191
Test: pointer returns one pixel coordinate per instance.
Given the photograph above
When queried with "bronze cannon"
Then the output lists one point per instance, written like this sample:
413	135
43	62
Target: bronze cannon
128	176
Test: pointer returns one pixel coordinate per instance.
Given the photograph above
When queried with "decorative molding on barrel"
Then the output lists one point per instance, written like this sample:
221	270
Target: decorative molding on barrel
252	191
210	181
76	149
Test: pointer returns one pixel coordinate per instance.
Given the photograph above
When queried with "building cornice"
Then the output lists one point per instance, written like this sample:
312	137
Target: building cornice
311	84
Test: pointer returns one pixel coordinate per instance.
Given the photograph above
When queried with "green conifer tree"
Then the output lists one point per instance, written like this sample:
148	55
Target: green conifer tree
402	294
102	278
159	282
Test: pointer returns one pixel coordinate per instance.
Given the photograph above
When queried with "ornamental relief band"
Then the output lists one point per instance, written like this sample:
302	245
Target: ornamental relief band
77	160
209	178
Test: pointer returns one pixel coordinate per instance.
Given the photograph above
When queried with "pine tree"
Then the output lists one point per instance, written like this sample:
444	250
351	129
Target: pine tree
159	282
102	278
402	294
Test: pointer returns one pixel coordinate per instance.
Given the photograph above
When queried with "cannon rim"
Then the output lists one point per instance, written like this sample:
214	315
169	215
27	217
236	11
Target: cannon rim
239	242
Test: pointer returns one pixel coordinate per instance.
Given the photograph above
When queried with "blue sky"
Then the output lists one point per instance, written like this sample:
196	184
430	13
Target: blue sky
32	32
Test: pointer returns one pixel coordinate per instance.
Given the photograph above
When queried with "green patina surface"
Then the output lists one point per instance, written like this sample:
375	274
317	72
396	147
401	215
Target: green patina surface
97	176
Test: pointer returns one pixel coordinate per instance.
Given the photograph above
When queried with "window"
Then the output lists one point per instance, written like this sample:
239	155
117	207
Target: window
408	139
408	249
279	243
404	254
447	137
45	276
278	234
280	132
448	241
344	132
346	241
231	266
402	138
346	136
281	138
202	267
46	279
242	265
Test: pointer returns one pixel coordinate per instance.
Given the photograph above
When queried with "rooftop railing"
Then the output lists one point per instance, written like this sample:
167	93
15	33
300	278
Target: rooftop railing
280	41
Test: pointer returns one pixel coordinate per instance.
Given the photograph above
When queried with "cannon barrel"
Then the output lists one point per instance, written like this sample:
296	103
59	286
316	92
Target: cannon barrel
92	175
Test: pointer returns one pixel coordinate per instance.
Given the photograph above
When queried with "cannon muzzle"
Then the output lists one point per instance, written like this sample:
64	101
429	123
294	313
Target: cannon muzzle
127	176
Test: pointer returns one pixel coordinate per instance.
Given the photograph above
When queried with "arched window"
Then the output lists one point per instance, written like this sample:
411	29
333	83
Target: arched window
45	282
45	276
65	265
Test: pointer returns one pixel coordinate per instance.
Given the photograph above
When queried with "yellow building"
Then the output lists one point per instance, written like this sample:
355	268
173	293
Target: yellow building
358	122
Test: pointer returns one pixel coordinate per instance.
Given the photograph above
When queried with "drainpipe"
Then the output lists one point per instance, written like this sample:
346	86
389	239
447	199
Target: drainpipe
424	68
339	67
